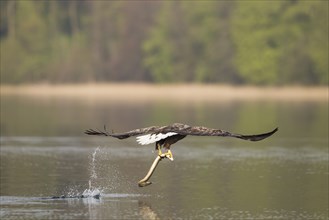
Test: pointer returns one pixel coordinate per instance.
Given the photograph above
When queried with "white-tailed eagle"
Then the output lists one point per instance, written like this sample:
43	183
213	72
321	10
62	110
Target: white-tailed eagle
165	136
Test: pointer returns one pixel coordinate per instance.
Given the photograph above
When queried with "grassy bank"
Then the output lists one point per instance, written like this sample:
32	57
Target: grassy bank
186	92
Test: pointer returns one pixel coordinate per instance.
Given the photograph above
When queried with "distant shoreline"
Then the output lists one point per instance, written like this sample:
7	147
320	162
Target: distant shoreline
179	92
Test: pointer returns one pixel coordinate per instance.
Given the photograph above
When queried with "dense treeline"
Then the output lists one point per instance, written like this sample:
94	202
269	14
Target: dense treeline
258	42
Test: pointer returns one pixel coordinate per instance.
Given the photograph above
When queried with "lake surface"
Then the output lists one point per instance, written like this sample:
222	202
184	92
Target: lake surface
44	153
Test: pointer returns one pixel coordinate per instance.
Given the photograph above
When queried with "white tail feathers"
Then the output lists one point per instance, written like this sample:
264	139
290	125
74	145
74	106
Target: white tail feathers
152	138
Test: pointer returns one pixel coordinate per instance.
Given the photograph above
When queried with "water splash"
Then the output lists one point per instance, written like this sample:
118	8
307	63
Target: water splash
101	178
93	169
92	191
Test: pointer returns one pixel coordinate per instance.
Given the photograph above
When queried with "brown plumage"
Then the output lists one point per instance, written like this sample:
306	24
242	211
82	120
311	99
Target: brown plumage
181	131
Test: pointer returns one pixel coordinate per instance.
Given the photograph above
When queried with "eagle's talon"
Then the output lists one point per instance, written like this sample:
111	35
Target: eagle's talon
169	155
160	152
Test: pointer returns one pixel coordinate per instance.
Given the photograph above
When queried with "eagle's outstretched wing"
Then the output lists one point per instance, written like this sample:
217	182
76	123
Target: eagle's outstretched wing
203	131
139	131
181	129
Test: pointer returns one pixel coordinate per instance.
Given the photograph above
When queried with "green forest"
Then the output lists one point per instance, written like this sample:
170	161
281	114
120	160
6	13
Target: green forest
234	42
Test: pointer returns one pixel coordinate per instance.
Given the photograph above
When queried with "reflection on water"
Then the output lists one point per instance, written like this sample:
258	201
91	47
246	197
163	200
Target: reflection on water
44	153
24	116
